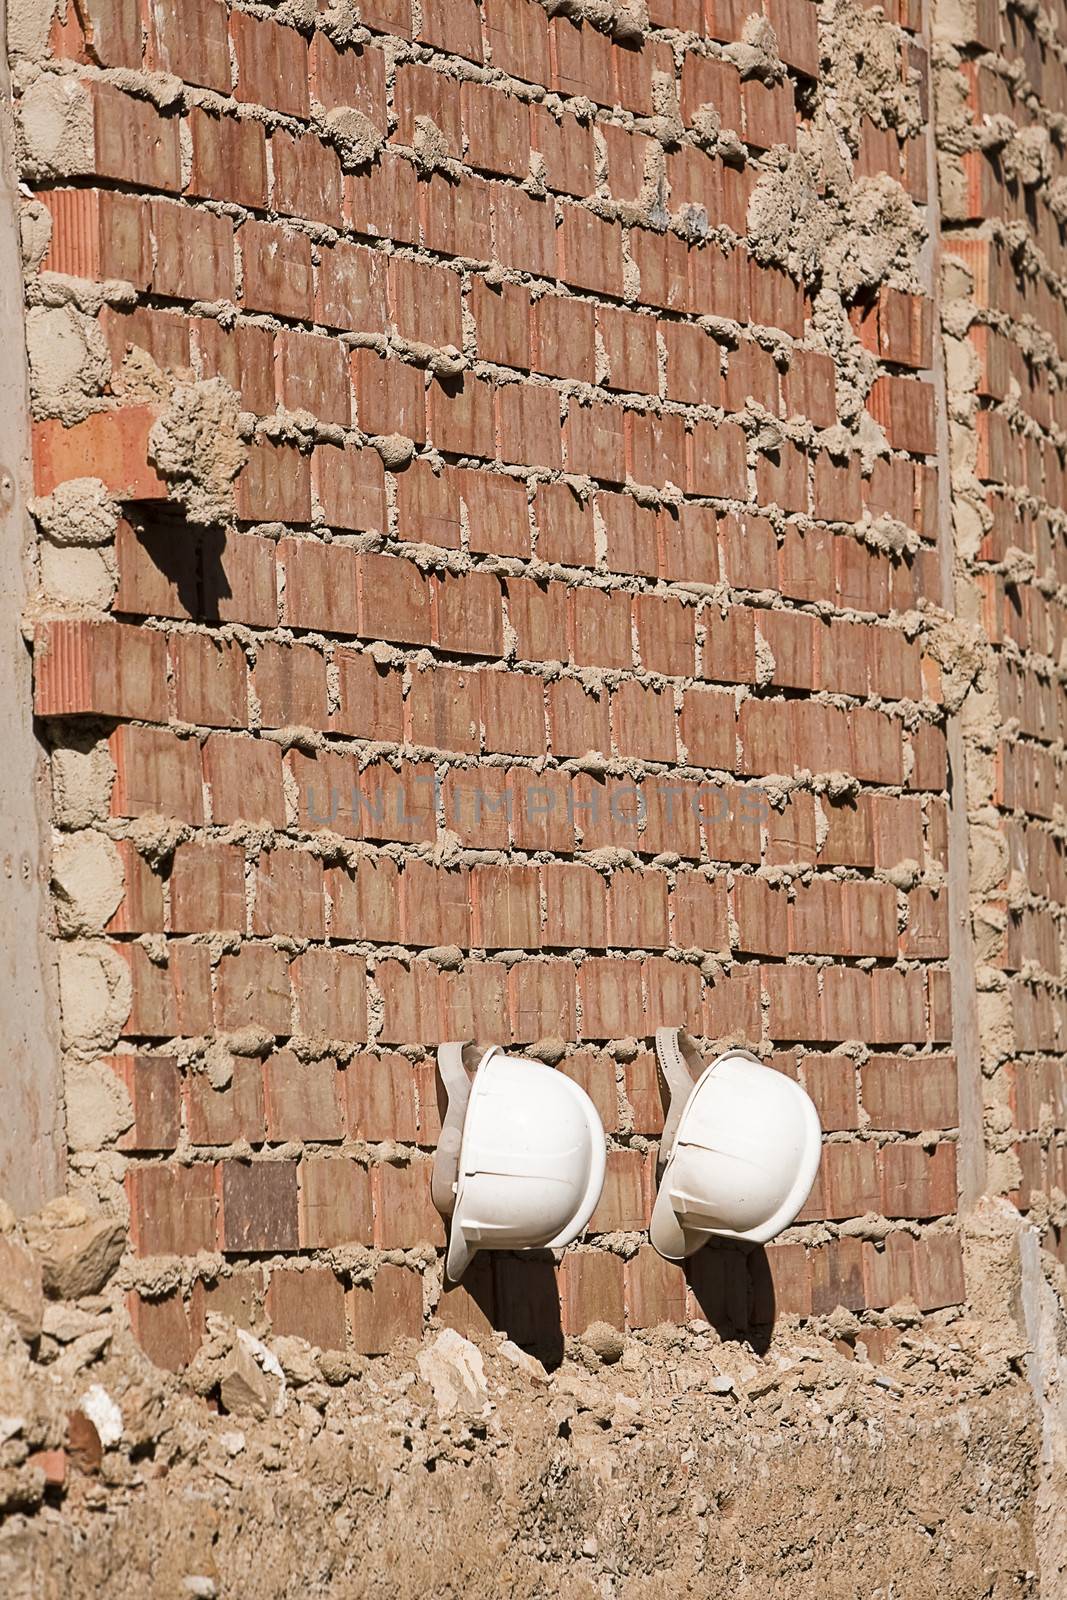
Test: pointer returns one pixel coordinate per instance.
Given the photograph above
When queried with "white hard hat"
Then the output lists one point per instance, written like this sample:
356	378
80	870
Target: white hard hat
531	1161
744	1157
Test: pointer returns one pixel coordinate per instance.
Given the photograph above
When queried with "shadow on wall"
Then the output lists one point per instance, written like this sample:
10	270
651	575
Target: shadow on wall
728	1286
189	558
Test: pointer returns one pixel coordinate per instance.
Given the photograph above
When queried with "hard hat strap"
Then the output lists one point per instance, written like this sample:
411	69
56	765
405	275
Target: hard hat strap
453	1061
679	1066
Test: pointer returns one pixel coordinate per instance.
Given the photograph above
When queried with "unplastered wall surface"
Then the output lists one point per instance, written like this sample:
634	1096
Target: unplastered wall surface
489	586
1002	81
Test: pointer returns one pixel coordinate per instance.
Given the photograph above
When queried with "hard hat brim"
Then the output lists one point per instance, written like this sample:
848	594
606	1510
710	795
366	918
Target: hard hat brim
460	1253
665	1231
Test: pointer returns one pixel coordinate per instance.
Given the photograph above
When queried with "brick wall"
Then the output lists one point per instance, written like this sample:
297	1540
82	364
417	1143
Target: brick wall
1007	322
559	665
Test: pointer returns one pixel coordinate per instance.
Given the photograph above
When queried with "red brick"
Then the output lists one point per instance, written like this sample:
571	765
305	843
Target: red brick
290	685
275	485
831	1082
172	1209
468	614
502	315
631	530
404	1214
513	709
331	994
335	1202
195	48
272	64
382	201
312	375
837	1276
154	1087
307	178
302	1099
252	990
910	1093
600	619
589	252
687	540
716	460
394	600
380	1098
518	38
905	409
624	1204
245	778
424	302
308	1304
257	1206
565	523
161	1328
210	680
114	444
591	1290
937	1272
498	519
386	1311
505	906
350	286
643	719
541	1000
222	1116
577	718
390	396
915	1184
698	904
229	159
655	1290
454	26
132	141
193	252
289	895
156	771
790	1278
595	441
277	273
243	356
104	668
352	77
207	888
849	1181
470	1307
321	584
456	217
497	128
97	234
566	147
370	703
611	998
141	907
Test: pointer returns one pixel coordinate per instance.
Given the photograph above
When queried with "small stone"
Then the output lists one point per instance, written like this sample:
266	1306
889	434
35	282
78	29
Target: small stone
606	1342
103	1413
454	1369
21	1292
83	1442
524	1361
65	1323
77	1252
53	1463
244	1389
